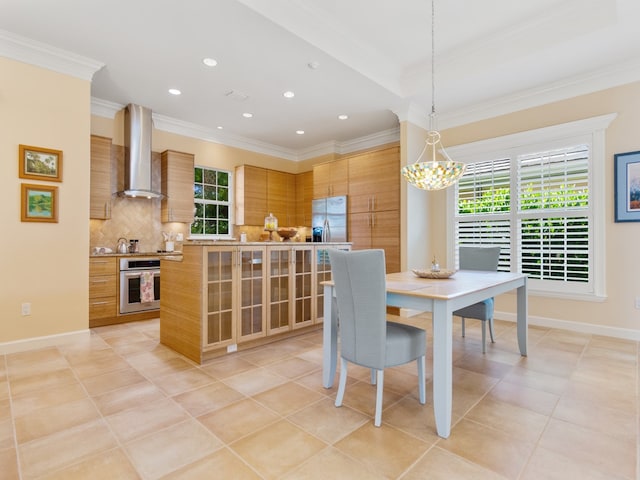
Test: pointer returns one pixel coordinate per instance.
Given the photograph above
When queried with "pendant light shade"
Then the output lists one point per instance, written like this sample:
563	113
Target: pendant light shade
437	170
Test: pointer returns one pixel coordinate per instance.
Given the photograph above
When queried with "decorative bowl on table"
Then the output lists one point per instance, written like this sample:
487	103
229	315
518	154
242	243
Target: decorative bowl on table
433	273
287	233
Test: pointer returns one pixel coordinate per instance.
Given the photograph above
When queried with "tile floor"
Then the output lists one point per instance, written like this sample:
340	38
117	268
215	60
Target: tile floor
118	405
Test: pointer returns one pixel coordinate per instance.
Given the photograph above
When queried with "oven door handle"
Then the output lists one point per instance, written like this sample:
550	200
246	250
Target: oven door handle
138	273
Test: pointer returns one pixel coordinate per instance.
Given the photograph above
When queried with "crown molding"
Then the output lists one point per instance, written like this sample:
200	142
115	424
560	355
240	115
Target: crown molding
594	81
42	55
107	109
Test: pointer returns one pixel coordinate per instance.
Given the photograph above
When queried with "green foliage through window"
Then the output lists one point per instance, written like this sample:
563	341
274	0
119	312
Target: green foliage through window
211	202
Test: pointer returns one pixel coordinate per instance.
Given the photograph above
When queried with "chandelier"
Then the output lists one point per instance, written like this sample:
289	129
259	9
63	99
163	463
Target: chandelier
432	173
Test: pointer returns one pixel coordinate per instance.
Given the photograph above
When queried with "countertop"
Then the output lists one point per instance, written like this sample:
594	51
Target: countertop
236	242
139	254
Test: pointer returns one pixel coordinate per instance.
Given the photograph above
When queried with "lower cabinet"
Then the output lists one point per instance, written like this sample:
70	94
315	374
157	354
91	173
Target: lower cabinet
103	289
241	294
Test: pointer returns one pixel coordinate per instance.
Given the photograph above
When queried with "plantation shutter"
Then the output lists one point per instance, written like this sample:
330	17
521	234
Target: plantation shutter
554	219
484	208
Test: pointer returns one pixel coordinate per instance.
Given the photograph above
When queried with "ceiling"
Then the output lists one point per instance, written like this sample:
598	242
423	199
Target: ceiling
368	59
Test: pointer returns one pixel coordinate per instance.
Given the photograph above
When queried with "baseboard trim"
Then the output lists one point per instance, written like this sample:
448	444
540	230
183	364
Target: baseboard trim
580	327
43	342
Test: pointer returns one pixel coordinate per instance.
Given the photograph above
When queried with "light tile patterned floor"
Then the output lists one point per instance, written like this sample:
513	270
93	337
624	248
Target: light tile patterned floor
118	405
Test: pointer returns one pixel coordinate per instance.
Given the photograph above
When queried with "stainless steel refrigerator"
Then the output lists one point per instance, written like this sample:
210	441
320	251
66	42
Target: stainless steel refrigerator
330	214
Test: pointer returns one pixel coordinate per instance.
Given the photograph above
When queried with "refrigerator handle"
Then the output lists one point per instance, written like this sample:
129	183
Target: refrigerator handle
326	232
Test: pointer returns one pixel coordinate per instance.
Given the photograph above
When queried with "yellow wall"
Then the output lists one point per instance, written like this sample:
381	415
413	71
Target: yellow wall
45	264
622	257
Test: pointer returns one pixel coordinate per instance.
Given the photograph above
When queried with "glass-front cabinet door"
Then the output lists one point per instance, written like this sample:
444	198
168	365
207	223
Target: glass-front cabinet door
323	273
251	285
302	280
279	289
219	305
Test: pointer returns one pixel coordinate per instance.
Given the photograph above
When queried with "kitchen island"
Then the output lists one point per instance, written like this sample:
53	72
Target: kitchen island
222	296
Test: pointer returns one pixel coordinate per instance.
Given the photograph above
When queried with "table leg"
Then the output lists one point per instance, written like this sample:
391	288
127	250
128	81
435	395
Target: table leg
329	338
522	318
442	366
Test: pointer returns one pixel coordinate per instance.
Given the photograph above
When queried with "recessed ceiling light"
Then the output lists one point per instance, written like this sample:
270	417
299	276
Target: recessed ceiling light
247	115
219	127
288	94
209	62
300	132
174	91
343	117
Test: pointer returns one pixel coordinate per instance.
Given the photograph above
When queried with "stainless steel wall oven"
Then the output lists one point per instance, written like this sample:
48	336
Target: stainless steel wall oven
133	272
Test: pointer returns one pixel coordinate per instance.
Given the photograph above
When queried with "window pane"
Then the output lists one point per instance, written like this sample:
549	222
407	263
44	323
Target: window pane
210	227
223	194
223	179
197	175
210	176
209	192
210	211
197	191
484	188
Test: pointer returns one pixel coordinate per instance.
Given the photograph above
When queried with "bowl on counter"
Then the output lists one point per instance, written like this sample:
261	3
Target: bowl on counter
287	233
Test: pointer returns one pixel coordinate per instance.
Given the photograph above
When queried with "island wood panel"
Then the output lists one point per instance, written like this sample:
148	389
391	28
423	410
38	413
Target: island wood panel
181	306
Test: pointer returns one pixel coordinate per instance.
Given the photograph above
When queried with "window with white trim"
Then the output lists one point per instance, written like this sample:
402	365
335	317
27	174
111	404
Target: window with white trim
212	202
538	195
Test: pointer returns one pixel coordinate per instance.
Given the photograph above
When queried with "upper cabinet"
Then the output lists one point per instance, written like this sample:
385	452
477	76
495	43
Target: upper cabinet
101	187
281	196
250	195
331	179
304	198
177	187
374	181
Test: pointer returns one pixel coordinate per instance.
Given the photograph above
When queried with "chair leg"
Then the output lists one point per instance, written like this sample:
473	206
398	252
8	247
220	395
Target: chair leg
378	418
463	327
373	376
484	336
491	329
421	381
343	382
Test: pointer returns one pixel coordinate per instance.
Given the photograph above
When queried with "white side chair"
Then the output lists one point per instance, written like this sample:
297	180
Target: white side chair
367	339
479	257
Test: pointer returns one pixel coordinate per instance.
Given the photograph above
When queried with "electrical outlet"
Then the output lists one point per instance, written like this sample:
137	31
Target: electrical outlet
26	309
638	303
179	237
232	348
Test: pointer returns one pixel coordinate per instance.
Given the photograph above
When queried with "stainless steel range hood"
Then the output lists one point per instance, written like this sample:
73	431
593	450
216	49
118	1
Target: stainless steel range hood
137	160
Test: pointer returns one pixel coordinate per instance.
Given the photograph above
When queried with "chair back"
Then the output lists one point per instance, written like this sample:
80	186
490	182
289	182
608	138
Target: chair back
360	286
479	257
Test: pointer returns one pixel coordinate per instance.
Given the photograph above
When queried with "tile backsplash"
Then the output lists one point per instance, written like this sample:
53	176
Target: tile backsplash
137	218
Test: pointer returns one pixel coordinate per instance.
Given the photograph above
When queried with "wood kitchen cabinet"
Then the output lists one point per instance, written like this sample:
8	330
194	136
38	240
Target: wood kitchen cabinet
101	186
322	273
290	287
281	196
226	296
177	187
331	179
304	198
374	203
250	195
103	290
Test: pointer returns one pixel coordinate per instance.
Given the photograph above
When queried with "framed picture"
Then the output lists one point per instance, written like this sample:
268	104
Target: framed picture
40	163
39	203
627	186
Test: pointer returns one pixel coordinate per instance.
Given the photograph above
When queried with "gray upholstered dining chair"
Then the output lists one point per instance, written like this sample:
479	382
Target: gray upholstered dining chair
366	338
479	257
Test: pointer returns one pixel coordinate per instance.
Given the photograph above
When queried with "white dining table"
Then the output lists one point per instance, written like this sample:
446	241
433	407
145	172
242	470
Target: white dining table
441	297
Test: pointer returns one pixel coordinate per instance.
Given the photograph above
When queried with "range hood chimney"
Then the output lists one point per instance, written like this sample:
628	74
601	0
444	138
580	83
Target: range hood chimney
137	153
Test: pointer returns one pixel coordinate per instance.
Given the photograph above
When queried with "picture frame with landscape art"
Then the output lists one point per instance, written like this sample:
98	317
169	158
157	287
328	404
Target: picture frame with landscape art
39	203
38	163
627	186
